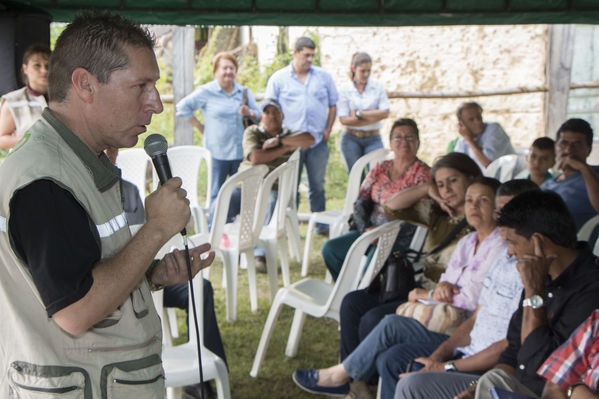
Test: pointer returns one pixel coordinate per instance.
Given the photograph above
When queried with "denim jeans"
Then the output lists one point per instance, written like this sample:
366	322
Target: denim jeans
315	160
353	147
395	340
221	169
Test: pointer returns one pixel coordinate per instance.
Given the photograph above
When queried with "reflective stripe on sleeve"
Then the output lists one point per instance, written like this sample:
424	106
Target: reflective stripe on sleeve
112	226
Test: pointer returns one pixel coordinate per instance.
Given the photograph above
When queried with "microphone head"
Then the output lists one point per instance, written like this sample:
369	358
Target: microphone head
155	144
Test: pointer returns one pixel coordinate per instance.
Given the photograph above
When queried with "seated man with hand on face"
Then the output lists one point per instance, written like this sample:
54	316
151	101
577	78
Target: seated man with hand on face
270	144
483	142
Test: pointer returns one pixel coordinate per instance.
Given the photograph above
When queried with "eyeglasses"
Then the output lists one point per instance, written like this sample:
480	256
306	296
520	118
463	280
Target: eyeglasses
408	139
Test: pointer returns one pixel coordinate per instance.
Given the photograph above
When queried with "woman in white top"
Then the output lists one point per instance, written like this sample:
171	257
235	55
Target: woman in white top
362	105
19	109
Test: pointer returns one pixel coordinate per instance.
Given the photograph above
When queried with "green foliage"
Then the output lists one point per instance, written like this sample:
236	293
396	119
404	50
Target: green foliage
56	29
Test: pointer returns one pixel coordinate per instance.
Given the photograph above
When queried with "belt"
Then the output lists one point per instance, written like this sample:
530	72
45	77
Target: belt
363	133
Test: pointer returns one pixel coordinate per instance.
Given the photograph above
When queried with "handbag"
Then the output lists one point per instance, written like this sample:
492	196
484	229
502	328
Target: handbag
442	318
395	280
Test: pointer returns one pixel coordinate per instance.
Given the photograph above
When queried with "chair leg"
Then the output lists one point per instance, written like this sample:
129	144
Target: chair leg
223	389
292	227
284	260
251	267
230	261
308	246
269	326
174	392
295	333
270	249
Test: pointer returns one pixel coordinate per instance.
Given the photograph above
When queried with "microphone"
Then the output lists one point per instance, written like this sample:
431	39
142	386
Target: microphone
155	146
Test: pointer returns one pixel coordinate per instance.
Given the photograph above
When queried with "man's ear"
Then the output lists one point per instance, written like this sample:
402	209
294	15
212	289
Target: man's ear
84	84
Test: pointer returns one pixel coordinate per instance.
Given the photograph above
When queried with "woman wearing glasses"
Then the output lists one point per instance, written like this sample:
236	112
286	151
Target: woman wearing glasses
362	105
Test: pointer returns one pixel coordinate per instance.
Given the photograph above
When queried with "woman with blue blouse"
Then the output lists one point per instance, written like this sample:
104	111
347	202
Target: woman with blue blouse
362	105
221	103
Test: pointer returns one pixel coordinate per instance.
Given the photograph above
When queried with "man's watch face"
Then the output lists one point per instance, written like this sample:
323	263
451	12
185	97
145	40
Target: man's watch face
534	302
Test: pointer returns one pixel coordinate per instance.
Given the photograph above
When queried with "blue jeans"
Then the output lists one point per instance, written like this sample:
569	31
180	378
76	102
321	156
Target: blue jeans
221	169
353	147
315	160
396	340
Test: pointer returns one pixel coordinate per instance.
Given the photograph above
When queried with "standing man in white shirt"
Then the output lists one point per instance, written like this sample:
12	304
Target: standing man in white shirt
308	98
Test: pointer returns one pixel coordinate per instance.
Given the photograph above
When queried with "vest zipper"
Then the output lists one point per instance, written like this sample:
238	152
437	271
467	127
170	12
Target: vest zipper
49	390
142	382
120	348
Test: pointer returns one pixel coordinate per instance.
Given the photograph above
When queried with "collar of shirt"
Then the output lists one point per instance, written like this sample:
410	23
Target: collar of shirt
236	88
104	173
294	75
571	272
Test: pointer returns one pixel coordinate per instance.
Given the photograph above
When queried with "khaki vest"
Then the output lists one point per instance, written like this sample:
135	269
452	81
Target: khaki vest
24	107
117	358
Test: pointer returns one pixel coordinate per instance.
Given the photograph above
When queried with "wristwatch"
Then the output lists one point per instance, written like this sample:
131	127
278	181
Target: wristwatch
359	114
449	366
571	388
534	302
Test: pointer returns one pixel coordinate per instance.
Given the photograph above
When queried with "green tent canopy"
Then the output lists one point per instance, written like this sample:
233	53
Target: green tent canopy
330	12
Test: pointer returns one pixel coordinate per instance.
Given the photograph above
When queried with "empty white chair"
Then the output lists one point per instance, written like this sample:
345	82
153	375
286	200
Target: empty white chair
185	162
337	218
133	163
240	236
506	167
180	362
319	299
273	236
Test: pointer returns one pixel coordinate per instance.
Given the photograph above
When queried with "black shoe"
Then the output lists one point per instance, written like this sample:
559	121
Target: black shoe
195	391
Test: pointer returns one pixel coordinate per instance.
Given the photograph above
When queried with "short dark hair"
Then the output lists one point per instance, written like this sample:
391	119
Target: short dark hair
490	182
405	122
94	41
577	125
458	161
516	186
544	143
470	104
543	212
304	42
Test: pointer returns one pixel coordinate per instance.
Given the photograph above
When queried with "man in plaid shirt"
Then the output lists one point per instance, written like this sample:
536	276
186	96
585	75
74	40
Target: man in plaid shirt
572	370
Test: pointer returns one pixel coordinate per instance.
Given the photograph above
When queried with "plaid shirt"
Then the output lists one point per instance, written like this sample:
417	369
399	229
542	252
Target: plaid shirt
577	360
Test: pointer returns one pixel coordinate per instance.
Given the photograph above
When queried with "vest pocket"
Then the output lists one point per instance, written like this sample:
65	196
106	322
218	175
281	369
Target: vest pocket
141	378
31	381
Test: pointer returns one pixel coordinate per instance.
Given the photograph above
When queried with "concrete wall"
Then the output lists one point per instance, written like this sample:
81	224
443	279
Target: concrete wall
435	59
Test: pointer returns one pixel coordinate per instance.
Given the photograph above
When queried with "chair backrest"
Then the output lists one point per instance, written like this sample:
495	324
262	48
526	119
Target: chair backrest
185	162
587	229
249	181
133	163
355	177
284	174
350	274
385	249
506	167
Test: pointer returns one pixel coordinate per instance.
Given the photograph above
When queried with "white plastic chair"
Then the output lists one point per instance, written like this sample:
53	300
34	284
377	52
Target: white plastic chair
241	236
273	236
292	220
181	362
185	163
506	167
337	218
133	163
587	229
319	299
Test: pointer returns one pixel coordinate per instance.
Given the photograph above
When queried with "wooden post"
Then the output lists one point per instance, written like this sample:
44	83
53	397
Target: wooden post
183	64
559	67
